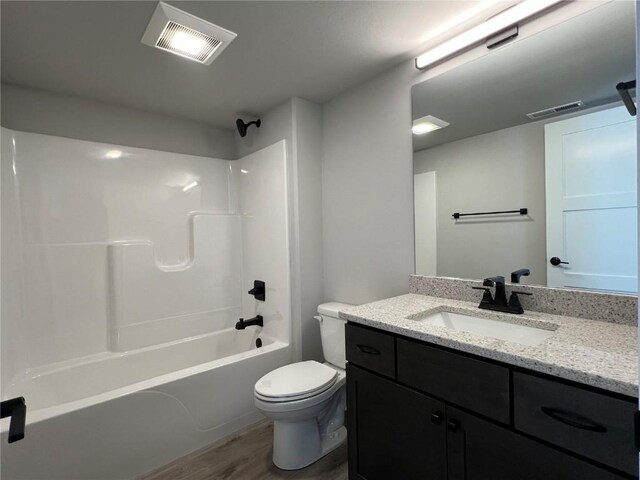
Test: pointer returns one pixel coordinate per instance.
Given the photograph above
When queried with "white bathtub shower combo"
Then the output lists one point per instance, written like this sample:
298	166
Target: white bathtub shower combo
124	273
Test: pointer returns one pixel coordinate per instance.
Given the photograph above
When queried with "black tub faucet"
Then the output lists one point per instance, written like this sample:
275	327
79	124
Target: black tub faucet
242	323
515	276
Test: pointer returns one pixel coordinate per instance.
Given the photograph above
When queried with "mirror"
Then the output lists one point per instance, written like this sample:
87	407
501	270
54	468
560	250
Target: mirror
536	164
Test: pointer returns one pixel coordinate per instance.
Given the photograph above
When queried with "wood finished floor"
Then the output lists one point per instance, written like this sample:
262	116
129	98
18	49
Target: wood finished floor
247	456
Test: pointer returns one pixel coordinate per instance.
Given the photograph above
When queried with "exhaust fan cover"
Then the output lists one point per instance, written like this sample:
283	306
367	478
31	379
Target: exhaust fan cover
183	34
547	112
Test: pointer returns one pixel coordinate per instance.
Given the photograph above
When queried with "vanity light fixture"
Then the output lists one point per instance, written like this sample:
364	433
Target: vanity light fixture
183	34
427	124
479	33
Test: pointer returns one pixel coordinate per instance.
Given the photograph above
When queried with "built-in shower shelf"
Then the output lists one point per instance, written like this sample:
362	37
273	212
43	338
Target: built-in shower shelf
151	303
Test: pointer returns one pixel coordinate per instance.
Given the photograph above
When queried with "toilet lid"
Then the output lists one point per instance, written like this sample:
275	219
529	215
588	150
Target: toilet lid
297	379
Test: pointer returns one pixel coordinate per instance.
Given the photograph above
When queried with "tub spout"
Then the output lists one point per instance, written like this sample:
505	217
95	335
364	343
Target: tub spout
242	323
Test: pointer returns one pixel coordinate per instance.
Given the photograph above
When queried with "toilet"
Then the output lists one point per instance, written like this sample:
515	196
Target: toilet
307	400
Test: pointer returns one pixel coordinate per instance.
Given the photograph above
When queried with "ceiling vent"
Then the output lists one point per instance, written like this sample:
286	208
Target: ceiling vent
183	34
547	112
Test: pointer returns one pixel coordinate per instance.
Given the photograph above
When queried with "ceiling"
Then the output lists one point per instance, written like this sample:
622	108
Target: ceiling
583	58
310	49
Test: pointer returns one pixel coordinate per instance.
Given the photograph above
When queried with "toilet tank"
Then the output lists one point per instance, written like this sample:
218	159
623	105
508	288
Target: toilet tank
332	333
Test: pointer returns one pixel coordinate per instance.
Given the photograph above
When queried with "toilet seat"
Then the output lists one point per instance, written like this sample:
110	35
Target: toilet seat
294	382
288	406
293	398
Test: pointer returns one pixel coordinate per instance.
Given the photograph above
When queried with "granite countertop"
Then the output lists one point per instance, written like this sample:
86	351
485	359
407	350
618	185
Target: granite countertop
591	352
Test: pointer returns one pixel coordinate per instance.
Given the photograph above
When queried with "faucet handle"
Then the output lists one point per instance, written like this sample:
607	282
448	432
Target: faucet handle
258	290
514	302
487	299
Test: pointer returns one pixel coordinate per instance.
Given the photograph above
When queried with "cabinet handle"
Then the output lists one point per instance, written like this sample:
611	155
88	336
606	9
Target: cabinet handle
367	349
436	417
452	425
573	419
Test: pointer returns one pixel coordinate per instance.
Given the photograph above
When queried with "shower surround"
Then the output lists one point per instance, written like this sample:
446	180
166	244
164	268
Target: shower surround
124	271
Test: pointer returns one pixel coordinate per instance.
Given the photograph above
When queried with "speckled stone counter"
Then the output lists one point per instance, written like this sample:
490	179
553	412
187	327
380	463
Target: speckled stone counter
608	307
591	352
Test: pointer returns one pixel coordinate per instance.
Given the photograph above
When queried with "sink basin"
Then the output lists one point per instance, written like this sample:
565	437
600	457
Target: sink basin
510	332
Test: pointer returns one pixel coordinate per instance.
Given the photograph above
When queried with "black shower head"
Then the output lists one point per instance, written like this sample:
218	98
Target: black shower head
242	127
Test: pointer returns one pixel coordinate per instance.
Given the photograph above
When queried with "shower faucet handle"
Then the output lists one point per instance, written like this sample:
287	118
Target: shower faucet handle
259	290
16	408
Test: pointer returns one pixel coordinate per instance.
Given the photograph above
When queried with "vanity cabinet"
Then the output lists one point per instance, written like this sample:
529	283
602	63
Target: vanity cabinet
481	450
373	350
587	423
397	433
468	382
420	411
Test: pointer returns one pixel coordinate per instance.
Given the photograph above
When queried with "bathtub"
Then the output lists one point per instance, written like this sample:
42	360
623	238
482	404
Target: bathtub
116	415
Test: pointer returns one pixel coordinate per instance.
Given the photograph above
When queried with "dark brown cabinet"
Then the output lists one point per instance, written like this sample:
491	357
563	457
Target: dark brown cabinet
480	450
394	432
585	422
371	349
420	411
461	380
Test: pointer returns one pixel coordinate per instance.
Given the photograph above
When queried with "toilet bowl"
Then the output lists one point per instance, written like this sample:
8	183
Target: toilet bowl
307	400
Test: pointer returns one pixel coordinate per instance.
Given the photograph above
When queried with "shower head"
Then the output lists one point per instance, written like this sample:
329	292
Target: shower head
242	127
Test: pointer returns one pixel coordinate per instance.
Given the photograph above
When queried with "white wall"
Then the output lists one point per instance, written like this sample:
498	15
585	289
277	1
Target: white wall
425	207
308	162
501	170
367	190
368	174
299	122
39	111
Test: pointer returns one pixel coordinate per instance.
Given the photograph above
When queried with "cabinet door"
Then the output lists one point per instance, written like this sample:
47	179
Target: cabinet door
479	450
394	432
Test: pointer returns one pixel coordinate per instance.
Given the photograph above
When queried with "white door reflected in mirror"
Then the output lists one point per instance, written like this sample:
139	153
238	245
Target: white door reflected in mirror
590	165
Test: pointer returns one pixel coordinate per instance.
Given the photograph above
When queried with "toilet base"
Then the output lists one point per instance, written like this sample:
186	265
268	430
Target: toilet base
299	444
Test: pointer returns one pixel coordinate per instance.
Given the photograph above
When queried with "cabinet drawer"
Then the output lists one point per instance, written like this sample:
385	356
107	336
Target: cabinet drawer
371	349
595	425
481	450
474	384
